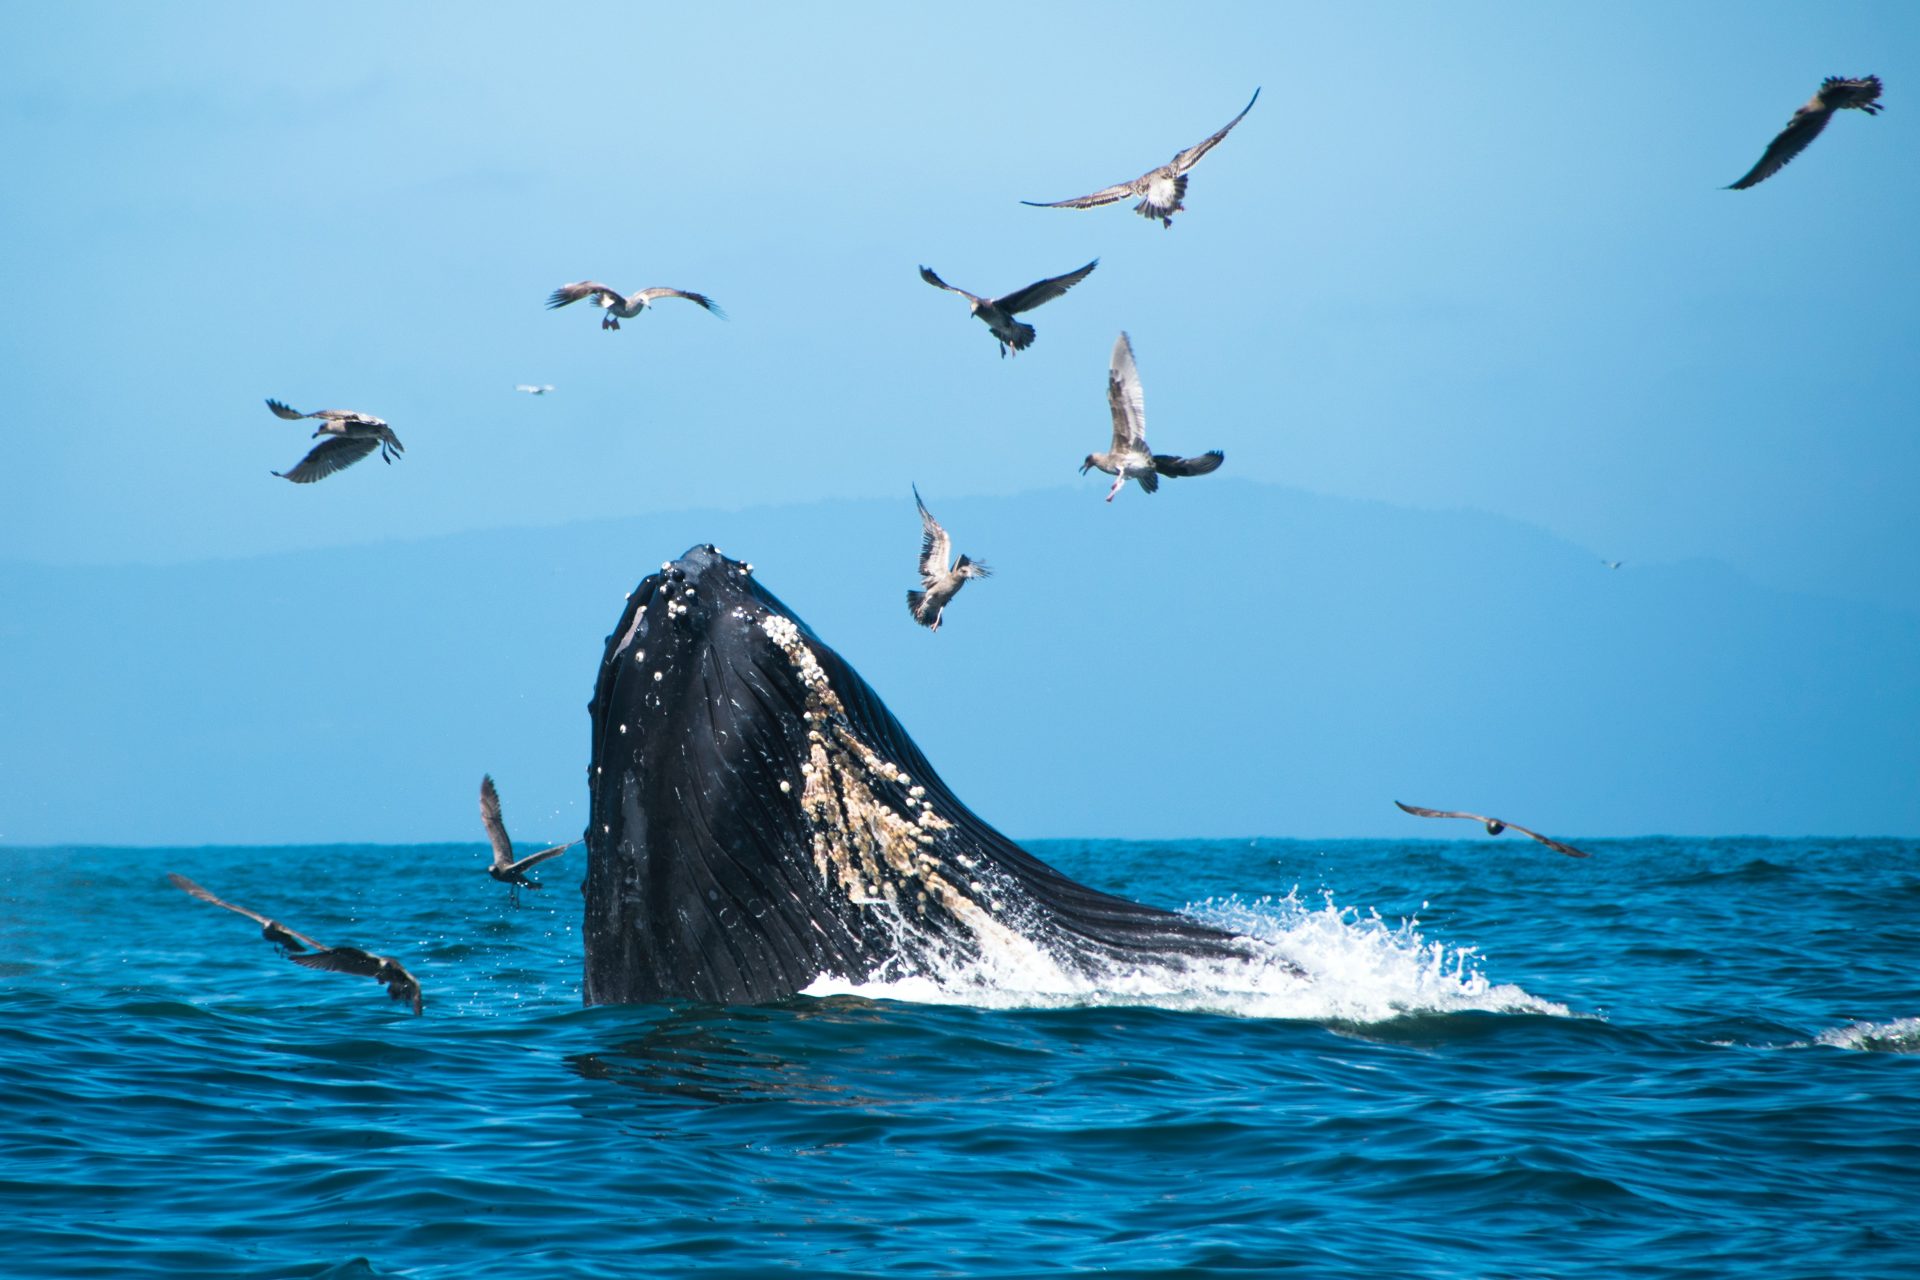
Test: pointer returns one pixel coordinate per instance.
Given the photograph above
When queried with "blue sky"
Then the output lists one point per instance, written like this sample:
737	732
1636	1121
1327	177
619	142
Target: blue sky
1470	257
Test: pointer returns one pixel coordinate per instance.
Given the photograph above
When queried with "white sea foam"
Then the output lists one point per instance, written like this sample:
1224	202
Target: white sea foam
1902	1035
1358	968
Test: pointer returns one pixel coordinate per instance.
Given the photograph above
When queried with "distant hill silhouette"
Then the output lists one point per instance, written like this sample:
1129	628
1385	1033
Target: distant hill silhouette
1222	659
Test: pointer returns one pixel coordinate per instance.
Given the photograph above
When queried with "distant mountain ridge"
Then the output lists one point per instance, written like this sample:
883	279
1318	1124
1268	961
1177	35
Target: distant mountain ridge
1225	658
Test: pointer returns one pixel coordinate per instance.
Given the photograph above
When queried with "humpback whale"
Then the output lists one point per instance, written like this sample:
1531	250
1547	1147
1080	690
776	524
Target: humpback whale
759	820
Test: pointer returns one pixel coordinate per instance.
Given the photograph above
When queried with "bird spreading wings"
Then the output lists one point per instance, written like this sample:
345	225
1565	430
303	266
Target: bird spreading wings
505	869
620	307
1836	94
1494	826
400	984
997	313
1161	190
1130	458
532	390
939	583
351	436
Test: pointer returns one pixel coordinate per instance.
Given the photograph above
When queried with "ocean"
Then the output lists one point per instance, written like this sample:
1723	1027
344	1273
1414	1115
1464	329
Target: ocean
1678	1057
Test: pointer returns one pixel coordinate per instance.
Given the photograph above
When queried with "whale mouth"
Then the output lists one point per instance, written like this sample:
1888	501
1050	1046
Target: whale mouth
760	820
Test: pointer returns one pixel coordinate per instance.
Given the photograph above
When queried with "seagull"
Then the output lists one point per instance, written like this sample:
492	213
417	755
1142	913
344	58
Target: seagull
1613	564
1494	826
1160	190
504	868
286	940
355	435
532	390
941	583
1130	458
1836	94
620	308
998	313
401	985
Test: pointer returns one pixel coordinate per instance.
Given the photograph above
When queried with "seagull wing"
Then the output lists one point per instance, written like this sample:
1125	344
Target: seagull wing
1107	196
535	859
182	883
283	411
490	819
926	273
936	547
1418	812
329	456
699	299
1191	156
1792	140
1839	93
1043	290
361	964
1555	845
570	293
1125	399
1169	465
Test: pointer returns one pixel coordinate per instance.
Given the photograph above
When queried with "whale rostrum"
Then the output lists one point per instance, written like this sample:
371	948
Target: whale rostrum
759	820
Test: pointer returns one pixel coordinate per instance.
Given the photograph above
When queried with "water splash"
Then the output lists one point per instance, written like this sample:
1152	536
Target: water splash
1358	967
1902	1035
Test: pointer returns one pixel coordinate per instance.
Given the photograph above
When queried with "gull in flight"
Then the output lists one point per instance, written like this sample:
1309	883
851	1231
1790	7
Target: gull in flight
1836	94
400	984
1160	190
1613	564
940	584
618	307
1494	826
997	313
505	869
354	436
1130	458
532	390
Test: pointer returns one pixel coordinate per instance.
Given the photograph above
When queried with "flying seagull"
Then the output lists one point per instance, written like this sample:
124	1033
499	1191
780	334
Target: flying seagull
1494	826
1160	190
504	868
1836	94
998	313
620	308
1612	564
354	436
400	984
1130	458
940	583
532	390
286	940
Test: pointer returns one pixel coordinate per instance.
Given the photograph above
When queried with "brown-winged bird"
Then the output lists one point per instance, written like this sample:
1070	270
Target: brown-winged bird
400	984
1160	190
505	869
1836	94
938	582
1494	826
1130	458
354	436
997	313
618	307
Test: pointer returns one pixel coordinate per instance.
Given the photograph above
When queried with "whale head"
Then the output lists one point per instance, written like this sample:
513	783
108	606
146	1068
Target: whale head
759	819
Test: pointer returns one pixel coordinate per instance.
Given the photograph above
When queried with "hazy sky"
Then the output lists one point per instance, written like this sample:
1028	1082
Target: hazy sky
1472	256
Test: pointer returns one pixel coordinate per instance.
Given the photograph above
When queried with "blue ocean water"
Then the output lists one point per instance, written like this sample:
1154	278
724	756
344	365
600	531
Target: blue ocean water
1676	1058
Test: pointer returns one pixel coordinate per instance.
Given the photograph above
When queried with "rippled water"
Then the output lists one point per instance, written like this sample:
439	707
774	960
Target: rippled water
1677	1058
